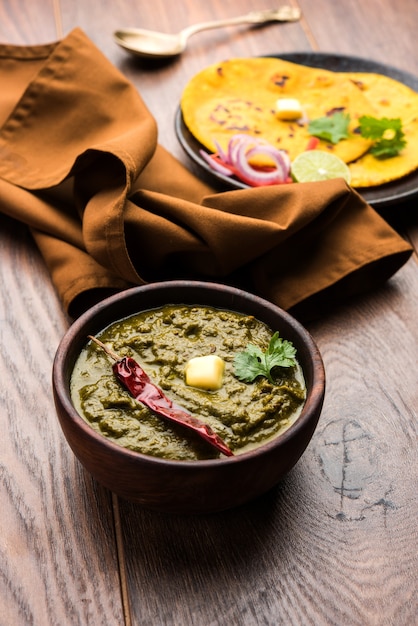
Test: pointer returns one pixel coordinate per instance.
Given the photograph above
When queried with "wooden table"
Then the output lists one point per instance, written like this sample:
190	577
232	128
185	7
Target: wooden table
336	542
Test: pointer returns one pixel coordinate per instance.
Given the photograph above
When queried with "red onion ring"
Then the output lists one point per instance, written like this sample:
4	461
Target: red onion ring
235	161
215	164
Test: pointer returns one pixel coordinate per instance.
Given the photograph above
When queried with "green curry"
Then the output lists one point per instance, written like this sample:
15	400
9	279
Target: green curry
163	340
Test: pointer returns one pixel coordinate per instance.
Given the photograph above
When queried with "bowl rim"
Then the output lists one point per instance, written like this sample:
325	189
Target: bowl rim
313	400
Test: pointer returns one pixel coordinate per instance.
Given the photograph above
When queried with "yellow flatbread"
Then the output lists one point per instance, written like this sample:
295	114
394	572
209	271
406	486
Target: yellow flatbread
240	95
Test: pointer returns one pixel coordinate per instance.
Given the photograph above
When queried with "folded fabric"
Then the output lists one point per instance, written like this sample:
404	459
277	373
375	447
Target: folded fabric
110	208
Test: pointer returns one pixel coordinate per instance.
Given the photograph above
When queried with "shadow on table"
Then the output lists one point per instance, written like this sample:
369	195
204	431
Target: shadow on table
205	552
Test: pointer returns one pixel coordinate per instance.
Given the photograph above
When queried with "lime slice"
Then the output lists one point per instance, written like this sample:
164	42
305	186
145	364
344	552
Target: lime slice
314	165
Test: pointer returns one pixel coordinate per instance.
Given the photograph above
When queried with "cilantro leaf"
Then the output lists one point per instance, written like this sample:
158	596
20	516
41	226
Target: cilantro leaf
332	128
253	362
248	364
388	136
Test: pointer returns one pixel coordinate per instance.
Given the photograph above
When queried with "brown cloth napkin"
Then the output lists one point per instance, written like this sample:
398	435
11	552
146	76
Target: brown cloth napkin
109	208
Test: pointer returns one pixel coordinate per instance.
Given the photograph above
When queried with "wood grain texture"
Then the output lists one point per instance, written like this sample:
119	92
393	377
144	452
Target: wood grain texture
58	557
23	22
375	30
336	542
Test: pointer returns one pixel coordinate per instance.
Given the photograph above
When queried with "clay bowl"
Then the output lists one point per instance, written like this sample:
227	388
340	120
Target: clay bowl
191	487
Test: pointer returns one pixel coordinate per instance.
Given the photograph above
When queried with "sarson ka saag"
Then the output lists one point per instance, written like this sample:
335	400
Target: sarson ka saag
249	389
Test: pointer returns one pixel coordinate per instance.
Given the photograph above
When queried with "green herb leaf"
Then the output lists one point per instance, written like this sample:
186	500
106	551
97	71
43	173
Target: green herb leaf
387	134
253	362
332	128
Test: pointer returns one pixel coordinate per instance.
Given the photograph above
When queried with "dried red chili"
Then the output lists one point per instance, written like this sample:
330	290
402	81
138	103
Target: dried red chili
139	385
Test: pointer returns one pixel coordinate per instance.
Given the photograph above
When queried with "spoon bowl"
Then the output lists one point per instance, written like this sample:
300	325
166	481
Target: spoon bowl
149	43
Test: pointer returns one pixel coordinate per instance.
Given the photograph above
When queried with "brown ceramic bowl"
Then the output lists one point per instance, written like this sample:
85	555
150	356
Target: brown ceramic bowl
187	486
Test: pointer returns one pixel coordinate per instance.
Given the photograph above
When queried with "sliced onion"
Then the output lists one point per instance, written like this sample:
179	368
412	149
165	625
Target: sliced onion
236	161
215	164
219	151
278	175
236	142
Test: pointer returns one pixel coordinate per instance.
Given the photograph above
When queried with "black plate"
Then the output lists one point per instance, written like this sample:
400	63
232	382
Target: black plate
385	195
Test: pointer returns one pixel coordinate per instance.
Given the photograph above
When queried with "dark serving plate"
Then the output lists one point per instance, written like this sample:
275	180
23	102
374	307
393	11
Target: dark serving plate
379	197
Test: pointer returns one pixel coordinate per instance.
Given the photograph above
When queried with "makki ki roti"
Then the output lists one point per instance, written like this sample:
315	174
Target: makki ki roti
240	95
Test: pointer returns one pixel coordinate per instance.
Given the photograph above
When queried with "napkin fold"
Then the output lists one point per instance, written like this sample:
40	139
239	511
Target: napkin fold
110	208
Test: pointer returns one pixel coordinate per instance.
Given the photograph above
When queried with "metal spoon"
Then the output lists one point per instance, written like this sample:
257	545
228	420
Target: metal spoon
148	43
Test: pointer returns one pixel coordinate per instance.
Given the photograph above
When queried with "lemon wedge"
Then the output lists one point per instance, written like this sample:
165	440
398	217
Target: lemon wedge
314	165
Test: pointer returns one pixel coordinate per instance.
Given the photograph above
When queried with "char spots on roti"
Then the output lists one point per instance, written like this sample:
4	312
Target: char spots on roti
240	95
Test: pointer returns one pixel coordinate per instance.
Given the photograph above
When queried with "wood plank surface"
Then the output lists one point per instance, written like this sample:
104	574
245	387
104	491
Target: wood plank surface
336	543
58	554
377	30
23	22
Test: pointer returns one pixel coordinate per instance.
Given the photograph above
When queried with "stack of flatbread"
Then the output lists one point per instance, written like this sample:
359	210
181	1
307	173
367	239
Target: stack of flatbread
240	95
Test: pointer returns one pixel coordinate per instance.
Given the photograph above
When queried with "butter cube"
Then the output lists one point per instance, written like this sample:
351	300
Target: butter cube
205	372
288	109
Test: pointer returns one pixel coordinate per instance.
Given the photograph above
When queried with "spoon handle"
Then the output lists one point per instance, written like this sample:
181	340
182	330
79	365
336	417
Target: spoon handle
282	14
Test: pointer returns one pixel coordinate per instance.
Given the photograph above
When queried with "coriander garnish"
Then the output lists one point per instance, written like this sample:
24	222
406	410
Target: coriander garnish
387	134
331	128
253	362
